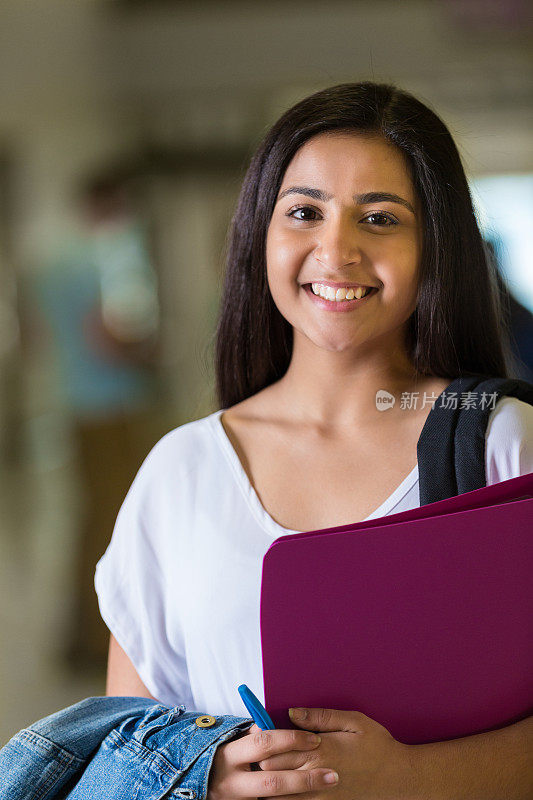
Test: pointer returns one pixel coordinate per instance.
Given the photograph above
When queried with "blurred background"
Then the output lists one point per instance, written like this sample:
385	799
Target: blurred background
125	130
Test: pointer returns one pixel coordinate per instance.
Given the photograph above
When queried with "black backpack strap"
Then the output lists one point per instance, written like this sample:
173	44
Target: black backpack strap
435	447
451	447
470	433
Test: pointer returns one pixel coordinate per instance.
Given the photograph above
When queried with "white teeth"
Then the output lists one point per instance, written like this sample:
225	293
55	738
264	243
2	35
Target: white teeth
329	293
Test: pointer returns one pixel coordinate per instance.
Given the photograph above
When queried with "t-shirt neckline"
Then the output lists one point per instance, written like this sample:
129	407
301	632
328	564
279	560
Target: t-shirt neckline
259	511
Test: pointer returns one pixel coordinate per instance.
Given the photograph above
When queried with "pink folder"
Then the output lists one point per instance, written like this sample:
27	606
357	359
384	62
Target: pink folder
422	620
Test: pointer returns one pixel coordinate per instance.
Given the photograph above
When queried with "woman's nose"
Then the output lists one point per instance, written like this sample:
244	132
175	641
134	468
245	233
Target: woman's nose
338	244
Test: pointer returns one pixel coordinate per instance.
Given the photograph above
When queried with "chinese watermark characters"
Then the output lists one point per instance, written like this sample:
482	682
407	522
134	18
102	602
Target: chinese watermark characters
447	400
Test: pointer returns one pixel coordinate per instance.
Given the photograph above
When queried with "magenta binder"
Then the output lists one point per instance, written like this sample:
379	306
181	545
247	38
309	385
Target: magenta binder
422	620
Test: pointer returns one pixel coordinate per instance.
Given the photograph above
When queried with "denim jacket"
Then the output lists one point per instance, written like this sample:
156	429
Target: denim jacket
115	747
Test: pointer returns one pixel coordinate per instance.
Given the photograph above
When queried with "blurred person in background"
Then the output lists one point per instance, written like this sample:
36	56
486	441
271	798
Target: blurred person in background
521	326
520	318
98	294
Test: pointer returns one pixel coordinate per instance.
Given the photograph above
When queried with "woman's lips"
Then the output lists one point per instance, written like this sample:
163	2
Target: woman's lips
337	305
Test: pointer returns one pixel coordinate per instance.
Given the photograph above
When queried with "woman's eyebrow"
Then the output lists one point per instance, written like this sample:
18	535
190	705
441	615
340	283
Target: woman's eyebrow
361	199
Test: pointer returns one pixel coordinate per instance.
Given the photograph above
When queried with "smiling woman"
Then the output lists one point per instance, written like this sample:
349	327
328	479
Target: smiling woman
399	168
359	187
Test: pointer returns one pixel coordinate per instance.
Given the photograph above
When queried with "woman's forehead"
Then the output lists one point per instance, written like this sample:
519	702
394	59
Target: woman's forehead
344	159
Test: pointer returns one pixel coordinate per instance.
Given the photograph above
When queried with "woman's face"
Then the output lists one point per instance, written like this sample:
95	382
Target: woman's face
327	229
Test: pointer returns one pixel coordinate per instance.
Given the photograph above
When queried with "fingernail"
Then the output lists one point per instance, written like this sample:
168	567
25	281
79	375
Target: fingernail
314	739
297	713
331	777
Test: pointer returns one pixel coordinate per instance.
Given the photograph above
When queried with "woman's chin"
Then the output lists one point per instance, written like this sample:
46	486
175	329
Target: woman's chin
336	343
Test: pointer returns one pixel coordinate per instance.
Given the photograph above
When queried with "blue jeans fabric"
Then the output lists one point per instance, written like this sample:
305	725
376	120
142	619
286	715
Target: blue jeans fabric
120	748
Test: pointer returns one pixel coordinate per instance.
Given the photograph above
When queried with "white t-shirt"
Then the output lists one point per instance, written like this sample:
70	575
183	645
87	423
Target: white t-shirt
179	584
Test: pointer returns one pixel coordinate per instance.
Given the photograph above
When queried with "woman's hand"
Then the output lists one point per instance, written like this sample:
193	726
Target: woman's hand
232	777
371	764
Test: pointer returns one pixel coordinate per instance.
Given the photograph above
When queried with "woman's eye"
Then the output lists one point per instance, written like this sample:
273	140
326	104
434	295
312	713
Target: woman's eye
308	214
388	220
303	210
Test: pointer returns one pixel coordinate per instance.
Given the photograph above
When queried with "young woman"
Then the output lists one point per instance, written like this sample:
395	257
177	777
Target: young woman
355	266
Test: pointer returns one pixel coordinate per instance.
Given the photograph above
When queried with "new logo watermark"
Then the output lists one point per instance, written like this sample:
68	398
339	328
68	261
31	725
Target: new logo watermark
384	400
448	400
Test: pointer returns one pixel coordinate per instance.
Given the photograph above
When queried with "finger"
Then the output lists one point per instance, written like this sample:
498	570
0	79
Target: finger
264	744
294	760
328	719
276	783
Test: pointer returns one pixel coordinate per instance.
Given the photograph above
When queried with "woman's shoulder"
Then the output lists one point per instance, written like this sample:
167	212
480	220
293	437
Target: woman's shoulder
511	417
188	432
184	446
509	440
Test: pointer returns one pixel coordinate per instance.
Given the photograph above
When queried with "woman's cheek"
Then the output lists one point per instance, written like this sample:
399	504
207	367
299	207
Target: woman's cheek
283	265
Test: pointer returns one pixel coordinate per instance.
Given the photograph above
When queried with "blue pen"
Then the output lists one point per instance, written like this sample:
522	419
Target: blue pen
257	710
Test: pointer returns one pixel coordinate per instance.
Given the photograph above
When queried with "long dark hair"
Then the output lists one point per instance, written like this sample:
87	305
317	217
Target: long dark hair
457	328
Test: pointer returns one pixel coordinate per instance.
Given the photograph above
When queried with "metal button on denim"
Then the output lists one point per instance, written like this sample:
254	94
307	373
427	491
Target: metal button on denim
206	721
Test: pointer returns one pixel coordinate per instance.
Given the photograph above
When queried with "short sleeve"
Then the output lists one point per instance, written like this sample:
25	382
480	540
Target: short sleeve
509	440
131	584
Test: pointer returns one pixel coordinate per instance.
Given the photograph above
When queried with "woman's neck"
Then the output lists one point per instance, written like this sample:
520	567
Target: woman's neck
337	389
